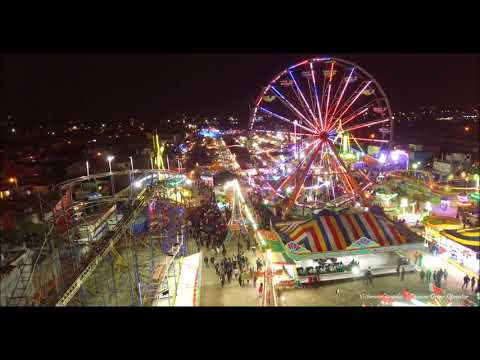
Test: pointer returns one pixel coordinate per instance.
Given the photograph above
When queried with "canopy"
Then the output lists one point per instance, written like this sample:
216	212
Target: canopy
279	258
335	233
442	223
470	238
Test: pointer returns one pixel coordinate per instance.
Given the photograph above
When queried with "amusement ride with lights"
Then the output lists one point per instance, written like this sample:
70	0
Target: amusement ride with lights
326	115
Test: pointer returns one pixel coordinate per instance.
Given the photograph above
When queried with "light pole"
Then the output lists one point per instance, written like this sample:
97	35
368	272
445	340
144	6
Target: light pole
428	206
88	168
14	180
131	162
109	159
463	175
404	204
131	175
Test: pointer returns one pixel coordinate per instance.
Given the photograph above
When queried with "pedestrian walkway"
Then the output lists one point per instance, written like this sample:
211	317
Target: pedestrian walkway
357	293
212	293
455	273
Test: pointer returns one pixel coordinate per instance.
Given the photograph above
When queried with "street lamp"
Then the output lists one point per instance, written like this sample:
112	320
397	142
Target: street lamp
88	168
109	159
131	176
428	206
404	204
14	180
131	162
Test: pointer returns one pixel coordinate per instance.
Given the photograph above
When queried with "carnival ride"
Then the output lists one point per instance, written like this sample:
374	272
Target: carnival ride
324	113
95	249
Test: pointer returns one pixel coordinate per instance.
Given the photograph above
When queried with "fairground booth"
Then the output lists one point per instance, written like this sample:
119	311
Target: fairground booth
333	247
462	247
283	267
434	225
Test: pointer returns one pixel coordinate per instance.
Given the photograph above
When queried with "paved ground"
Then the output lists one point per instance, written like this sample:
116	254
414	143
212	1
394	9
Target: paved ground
212	294
351	291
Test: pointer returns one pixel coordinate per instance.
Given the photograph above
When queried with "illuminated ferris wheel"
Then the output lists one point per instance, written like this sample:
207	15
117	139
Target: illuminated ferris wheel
322	116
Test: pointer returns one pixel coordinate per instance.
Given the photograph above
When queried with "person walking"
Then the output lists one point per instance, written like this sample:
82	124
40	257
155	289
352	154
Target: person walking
365	277
402	274
240	280
439	278
260	290
428	275
466	280
398	271
422	275
473	281
205	259
212	260
222	279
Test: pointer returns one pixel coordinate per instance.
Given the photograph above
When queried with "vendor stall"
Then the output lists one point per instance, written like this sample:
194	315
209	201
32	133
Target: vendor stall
328	236
284	274
462	247
331	247
435	224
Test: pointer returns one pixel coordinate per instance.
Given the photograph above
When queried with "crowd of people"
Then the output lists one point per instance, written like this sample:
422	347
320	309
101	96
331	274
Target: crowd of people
207	225
437	277
235	267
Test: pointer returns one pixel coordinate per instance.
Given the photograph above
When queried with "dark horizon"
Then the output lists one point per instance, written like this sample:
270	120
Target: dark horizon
156	87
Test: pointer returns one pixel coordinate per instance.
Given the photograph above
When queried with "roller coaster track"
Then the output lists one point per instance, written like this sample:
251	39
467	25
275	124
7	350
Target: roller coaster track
23	283
71	182
108	243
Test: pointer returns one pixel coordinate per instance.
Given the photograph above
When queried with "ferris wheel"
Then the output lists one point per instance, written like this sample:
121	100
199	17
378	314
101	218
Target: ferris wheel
313	127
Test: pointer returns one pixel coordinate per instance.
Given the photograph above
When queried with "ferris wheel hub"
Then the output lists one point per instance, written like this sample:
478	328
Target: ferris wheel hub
323	135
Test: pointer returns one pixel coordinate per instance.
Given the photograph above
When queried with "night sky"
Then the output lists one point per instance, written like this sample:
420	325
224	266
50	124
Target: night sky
156	87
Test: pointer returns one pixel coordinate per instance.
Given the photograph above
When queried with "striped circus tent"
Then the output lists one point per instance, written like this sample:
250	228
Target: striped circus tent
339	232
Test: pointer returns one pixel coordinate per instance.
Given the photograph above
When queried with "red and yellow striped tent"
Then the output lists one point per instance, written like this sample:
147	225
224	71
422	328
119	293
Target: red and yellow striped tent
338	232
